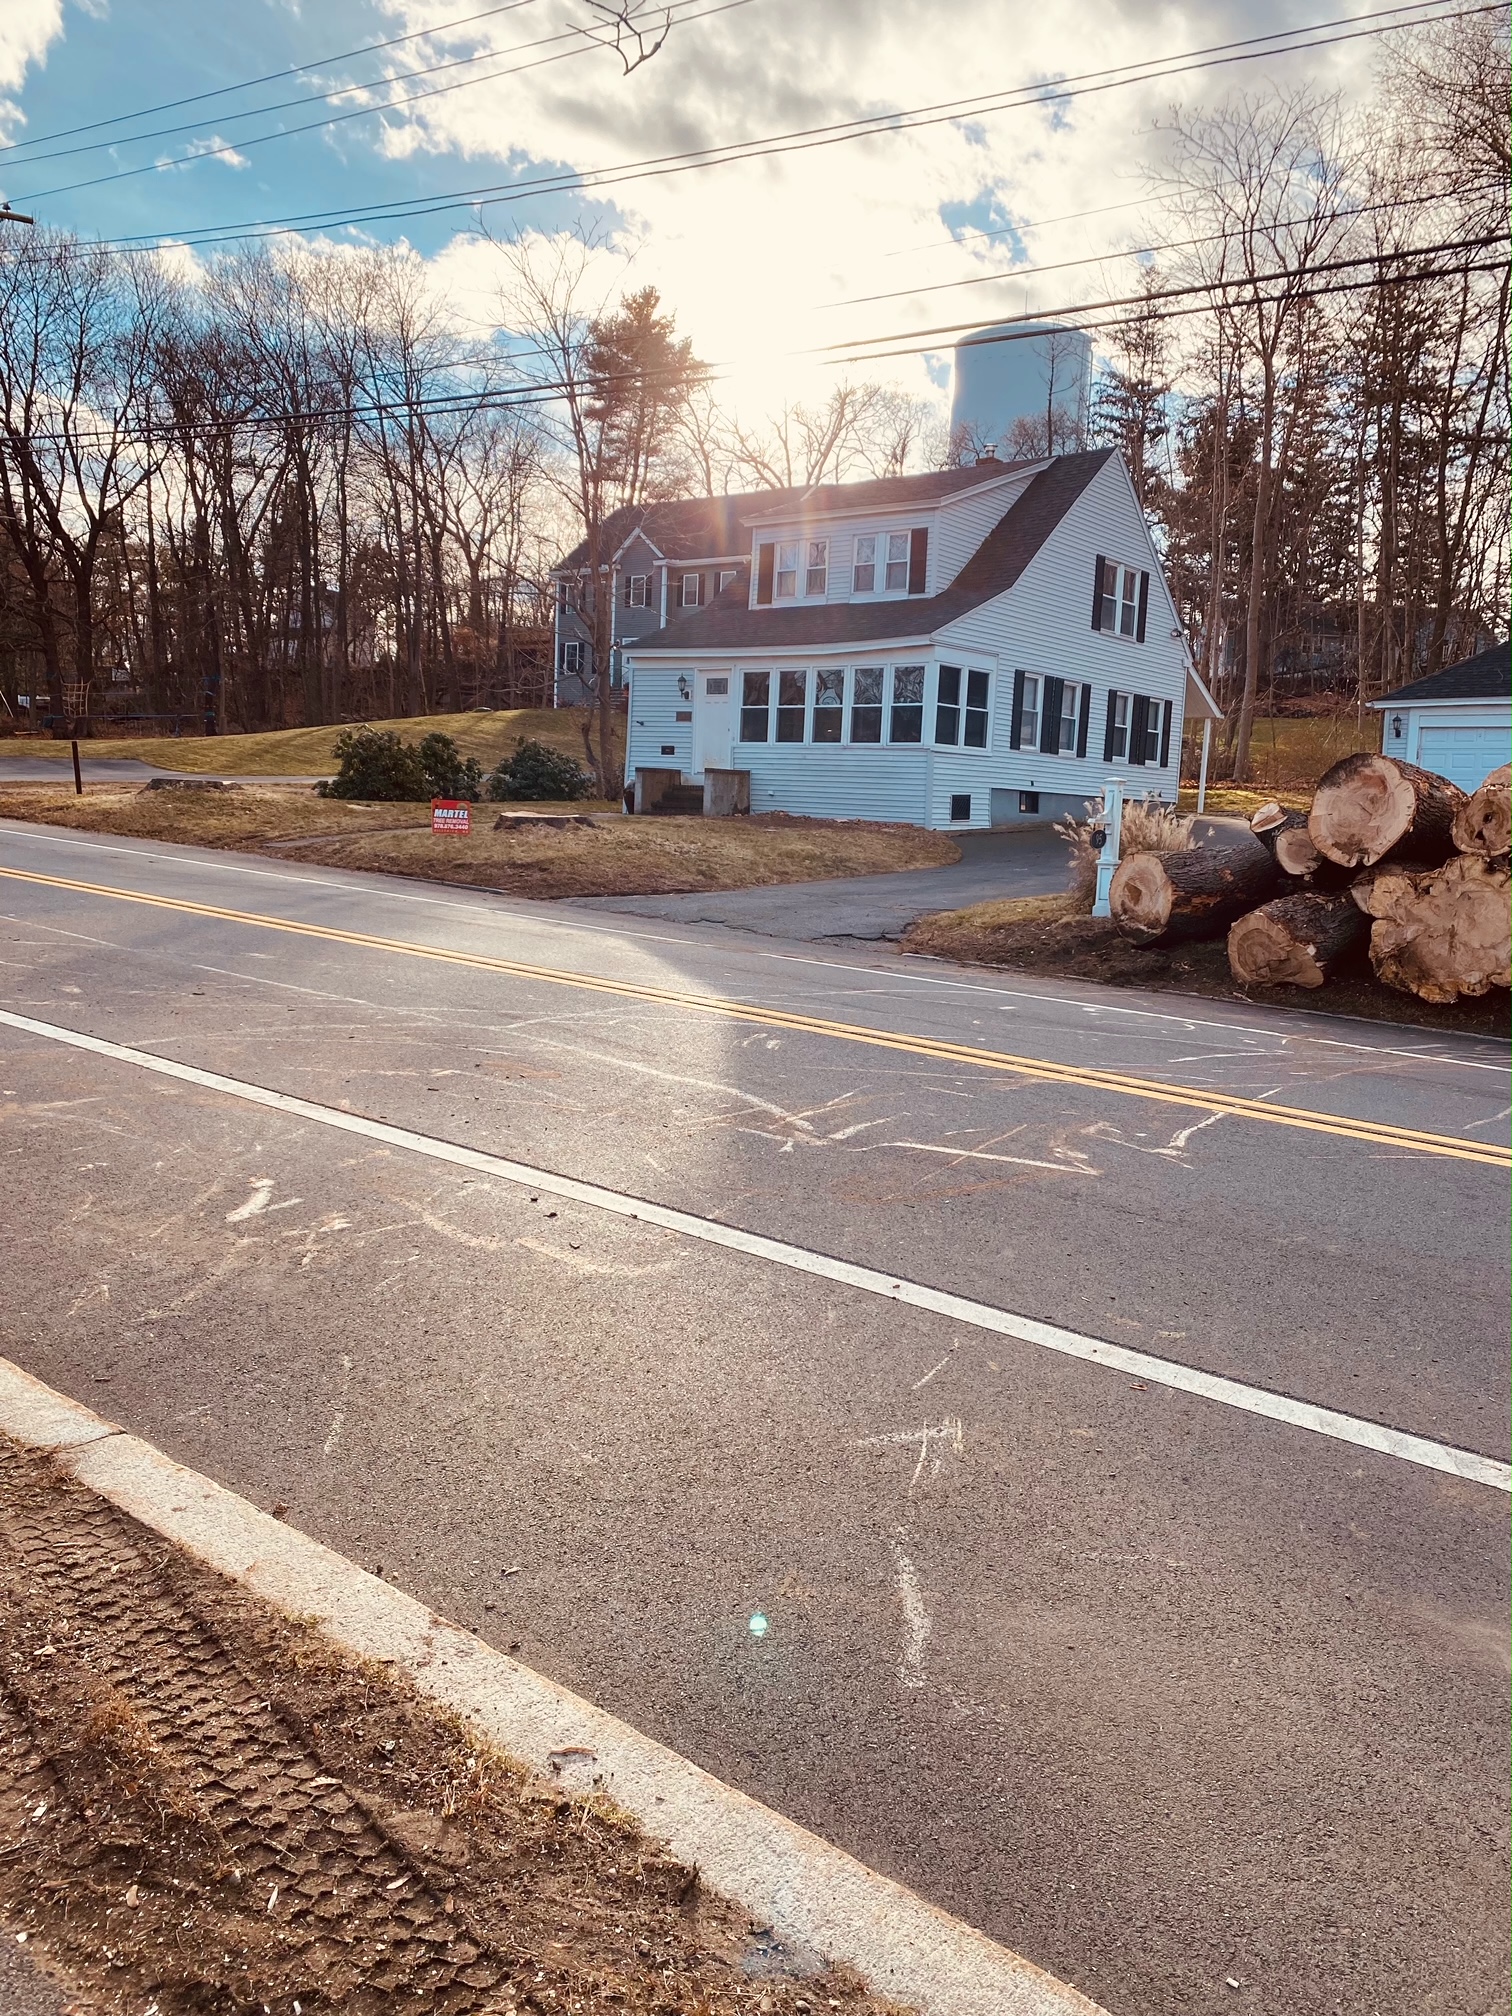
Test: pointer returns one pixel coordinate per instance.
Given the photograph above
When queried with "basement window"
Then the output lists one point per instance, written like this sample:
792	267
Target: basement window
960	806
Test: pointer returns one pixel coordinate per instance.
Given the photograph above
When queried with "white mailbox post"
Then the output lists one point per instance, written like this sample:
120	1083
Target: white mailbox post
1107	860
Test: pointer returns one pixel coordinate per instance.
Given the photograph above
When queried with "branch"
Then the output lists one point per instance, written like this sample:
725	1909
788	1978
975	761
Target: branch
617	14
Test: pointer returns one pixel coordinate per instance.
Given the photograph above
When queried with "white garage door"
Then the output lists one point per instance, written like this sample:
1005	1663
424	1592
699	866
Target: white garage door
1467	755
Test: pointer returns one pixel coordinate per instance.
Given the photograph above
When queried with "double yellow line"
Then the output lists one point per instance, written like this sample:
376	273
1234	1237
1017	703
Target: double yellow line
1376	1133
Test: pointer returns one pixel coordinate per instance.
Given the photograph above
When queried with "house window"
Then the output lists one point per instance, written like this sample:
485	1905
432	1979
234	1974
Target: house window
1069	711
755	706
788	558
716	686
564	597
1120	599
792	705
960	805
948	706
726	576
572	657
1154	720
692	591
978	688
637	590
866	704
1028	721
829	705
896	579
816	572
1118	725
864	573
906	723
1028	801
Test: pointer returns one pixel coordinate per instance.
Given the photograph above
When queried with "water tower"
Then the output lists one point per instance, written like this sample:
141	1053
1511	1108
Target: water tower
1038	374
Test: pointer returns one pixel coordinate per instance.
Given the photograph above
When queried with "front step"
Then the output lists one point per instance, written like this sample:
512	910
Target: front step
680	801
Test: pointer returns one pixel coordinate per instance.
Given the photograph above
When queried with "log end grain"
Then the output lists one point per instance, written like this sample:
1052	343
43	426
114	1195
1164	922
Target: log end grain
1483	824
1445	934
1295	941
1140	897
1367	805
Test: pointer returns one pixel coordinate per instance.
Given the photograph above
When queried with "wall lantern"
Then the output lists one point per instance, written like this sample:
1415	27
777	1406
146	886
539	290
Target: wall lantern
684	691
1396	727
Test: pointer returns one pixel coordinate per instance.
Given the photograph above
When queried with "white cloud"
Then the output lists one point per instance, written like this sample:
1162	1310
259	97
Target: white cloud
27	28
755	256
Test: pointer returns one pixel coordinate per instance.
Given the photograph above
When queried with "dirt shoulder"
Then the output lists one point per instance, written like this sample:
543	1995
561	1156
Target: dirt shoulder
1048	935
524	850
204	1807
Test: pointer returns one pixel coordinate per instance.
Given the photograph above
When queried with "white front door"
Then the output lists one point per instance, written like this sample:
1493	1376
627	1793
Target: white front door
713	721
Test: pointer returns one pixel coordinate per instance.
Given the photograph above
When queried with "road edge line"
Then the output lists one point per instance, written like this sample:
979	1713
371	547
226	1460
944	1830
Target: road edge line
814	1895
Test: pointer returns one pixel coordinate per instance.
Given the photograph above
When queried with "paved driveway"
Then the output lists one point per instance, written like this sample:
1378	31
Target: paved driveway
1031	863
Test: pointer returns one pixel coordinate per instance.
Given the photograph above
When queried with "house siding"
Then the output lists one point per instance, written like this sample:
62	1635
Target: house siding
1487	736
1042	624
965	522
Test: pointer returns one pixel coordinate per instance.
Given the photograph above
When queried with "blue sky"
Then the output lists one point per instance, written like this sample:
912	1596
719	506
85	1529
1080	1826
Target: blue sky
761	261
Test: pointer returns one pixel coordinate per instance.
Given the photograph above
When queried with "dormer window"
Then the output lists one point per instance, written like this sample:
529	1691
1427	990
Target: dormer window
802	569
692	590
890	563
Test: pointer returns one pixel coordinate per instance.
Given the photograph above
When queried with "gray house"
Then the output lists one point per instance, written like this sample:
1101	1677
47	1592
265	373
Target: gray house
1457	722
665	559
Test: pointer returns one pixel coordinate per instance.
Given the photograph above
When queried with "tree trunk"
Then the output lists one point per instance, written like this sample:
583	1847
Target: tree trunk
1483	824
1442	932
1367	807
1163	899
1284	834
1296	940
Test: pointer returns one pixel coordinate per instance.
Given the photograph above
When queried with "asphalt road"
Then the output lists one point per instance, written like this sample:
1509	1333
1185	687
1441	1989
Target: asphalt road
1166	1694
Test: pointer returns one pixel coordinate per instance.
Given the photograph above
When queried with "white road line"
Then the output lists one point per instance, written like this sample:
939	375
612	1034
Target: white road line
533	913
1386	1441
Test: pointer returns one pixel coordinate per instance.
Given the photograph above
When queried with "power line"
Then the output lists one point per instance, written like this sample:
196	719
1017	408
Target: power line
1130	252
1005	99
251	83
287	104
369	111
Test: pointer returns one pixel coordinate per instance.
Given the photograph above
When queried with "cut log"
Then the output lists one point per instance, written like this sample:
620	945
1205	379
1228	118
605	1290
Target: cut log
1380	891
1164	899
1296	940
1443	932
1370	806
1483	824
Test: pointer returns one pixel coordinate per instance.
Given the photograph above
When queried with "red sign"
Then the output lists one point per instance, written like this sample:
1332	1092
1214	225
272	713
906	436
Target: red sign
451	815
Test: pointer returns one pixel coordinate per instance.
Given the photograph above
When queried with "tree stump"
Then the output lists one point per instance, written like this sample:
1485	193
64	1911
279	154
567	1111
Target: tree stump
1166	899
1443	932
1483	824
1296	940
1370	806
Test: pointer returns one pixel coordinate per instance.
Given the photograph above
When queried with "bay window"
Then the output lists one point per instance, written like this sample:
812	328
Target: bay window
906	720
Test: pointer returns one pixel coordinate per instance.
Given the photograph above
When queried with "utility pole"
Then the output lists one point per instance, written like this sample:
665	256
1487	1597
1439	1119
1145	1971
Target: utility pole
9	216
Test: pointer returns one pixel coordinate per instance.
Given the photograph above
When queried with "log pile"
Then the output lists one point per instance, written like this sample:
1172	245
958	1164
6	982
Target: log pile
1386	849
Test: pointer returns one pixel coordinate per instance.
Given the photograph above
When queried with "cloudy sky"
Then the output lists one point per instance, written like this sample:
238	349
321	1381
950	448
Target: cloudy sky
763	260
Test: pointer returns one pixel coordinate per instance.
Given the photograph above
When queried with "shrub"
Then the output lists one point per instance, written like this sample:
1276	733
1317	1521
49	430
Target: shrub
1149	827
539	774
378	765
448	773
374	763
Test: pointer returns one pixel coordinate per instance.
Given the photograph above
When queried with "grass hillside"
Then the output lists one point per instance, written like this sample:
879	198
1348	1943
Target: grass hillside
309	752
1289	755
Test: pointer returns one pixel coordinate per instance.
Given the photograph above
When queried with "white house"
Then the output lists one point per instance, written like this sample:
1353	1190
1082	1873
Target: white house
972	647
1457	722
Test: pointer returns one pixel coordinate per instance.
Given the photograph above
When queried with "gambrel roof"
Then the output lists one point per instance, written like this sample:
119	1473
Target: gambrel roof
728	624
719	528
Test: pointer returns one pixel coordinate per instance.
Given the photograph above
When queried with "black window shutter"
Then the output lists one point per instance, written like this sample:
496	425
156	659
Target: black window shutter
918	559
1053	691
1108	726
1144	608
1084	721
766	561
1097	580
1015	731
1139	726
1165	735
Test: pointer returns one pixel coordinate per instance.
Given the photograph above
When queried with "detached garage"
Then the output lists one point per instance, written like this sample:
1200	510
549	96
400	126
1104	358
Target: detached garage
1457	722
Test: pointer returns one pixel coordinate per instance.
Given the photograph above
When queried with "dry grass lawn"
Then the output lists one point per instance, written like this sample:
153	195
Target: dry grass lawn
309	752
518	849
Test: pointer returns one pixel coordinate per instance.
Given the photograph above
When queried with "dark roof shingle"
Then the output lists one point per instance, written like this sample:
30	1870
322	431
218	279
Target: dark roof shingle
727	624
1486	676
